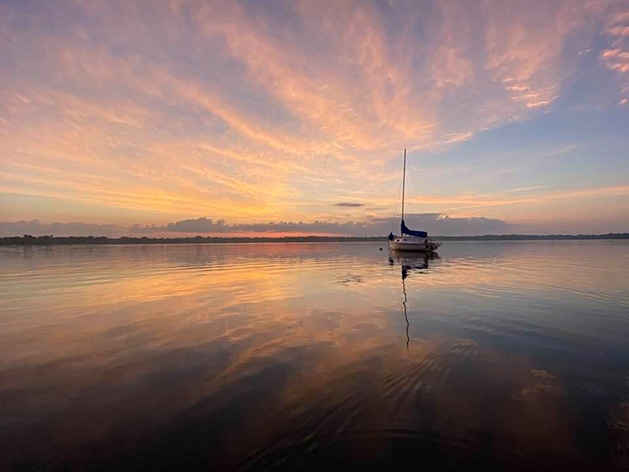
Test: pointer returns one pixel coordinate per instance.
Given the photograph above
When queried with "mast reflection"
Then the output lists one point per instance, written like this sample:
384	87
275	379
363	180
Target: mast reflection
410	263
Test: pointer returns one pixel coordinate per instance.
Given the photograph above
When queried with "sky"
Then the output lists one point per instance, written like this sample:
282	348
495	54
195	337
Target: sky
160	118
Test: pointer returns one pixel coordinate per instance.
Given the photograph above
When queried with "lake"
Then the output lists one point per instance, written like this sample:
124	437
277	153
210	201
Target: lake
497	355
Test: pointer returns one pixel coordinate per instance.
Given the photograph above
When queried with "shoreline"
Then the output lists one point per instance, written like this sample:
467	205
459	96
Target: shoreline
102	240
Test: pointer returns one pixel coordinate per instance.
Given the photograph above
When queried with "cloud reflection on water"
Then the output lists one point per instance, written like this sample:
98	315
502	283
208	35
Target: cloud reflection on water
219	354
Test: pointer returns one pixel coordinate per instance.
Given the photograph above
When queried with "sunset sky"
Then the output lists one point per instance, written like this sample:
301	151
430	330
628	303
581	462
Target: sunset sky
201	117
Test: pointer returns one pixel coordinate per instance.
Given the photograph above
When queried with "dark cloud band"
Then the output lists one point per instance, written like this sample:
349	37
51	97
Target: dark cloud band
349	205
434	223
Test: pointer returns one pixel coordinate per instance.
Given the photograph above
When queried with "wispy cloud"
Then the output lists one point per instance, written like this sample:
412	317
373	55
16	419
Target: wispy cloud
255	111
616	56
481	201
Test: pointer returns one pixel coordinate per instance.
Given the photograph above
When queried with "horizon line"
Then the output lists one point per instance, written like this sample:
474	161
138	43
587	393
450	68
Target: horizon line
29	240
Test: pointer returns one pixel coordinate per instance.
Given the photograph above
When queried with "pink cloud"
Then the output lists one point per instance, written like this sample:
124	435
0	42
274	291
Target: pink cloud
616	57
269	114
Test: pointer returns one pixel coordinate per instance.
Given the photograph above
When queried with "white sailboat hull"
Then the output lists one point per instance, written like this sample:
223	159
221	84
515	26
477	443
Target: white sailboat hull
406	243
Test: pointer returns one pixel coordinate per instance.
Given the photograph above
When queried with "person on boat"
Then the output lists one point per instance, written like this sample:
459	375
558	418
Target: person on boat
391	236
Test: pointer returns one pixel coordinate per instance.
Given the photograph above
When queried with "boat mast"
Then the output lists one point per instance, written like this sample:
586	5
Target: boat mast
403	183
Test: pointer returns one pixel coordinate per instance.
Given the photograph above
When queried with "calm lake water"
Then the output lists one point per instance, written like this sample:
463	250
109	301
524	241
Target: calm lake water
500	355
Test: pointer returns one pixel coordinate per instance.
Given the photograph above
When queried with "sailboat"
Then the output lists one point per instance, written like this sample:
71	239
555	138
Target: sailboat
411	240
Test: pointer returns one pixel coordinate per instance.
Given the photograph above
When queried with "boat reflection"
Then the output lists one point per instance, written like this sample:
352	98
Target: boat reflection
409	263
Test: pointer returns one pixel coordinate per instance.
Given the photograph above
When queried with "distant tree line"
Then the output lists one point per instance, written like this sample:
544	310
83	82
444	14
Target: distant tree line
533	237
28	240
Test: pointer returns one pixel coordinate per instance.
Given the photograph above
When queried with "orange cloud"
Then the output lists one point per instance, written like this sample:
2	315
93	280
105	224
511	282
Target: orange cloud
259	113
525	45
616	57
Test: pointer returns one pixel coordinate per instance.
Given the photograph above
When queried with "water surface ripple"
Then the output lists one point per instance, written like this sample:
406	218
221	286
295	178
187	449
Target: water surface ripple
501	355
